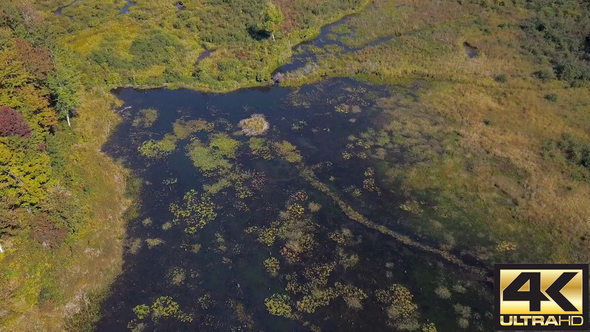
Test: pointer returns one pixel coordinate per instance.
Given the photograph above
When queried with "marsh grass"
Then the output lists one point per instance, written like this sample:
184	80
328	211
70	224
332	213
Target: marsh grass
494	172
476	136
146	118
120	52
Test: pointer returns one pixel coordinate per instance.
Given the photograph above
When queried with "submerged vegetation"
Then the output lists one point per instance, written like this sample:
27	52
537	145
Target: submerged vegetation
158	149
477	152
183	129
299	239
146	118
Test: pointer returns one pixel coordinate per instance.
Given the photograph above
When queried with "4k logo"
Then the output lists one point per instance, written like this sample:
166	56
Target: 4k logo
541	297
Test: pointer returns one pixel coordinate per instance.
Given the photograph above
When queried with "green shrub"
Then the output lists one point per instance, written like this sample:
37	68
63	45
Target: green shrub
576	151
551	97
558	31
155	49
500	78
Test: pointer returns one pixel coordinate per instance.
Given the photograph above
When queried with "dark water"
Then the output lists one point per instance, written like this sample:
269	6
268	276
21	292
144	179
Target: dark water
224	286
304	53
60	9
357	278
179	5
125	8
471	51
203	56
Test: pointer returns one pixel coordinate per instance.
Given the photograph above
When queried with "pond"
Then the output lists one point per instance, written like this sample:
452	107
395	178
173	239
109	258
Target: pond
292	230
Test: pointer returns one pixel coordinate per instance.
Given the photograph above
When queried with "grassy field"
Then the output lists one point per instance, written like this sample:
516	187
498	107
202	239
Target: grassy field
495	138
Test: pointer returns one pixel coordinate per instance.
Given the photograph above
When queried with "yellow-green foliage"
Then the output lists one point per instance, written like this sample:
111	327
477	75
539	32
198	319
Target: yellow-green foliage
217	186
317	298
429	327
347	261
197	211
224	145
195	248
158	149
163	307
155	43
205	301
220	242
176	275
342	108
400	299
153	242
443	292
317	294
288	152
298	231
318	274
259	148
272	266
142	311
266	235
464	313
166	307
26	177
183	129
279	305
207	159
353	296
146	118
255	125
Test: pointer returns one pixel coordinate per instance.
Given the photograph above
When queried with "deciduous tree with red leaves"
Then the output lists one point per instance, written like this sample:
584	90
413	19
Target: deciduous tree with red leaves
12	123
37	60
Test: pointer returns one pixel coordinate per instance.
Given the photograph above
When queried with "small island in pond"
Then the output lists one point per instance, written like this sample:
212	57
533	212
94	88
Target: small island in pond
255	125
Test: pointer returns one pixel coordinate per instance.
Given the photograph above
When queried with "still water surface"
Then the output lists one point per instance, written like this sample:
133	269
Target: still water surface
286	251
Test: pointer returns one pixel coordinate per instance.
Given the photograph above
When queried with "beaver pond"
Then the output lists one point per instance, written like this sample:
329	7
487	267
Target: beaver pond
295	227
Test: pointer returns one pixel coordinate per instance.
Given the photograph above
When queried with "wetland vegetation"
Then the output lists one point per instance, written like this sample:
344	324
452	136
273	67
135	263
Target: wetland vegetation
345	165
